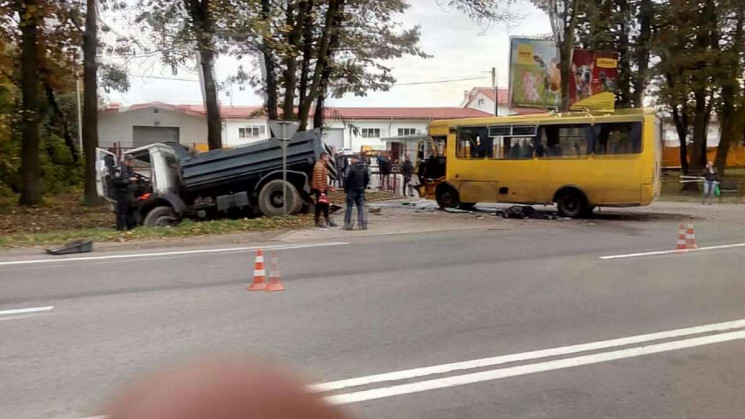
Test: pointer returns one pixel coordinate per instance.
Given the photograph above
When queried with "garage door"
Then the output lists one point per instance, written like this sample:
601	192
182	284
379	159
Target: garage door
334	138
148	135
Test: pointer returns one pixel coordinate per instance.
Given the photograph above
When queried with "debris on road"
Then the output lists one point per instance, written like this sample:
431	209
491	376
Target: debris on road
525	211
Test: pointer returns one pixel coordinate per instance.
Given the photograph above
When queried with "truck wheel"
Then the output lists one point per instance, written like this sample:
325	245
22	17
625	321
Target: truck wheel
270	199
159	217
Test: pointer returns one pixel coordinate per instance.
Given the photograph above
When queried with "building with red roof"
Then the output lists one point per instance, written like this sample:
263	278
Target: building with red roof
346	127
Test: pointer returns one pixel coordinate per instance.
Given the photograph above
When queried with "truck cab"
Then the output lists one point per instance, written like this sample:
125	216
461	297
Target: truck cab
156	167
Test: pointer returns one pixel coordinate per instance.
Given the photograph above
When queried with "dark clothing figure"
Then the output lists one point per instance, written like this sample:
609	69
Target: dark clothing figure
384	165
123	191
355	184
408	171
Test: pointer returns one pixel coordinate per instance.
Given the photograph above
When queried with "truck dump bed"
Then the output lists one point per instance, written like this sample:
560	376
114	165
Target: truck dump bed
219	167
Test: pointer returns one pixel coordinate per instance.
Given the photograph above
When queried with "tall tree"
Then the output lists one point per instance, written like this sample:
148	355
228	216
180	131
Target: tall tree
730	109
564	17
90	100
184	29
31	15
314	49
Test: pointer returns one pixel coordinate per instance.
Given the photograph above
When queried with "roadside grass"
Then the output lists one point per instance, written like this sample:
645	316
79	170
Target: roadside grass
186	228
63	218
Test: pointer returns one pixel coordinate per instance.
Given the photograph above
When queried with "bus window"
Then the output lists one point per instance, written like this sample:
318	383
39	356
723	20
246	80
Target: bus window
513	148
618	138
568	141
473	143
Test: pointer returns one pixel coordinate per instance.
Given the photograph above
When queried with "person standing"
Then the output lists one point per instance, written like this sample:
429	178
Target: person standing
408	171
123	183
711	179
354	185
320	187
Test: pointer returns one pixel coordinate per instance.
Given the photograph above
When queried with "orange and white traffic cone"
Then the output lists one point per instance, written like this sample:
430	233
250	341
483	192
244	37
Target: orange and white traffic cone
274	283
690	237
681	238
258	283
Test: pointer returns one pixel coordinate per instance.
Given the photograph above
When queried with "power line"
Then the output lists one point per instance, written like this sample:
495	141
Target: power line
163	78
441	81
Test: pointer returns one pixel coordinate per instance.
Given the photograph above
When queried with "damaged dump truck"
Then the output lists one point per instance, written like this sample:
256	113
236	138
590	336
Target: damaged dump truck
173	183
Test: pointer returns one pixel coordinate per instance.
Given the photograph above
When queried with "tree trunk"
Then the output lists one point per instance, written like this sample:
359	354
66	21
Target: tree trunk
59	118
623	94
643	43
90	101
730	89
293	41
201	18
566	47
565	55
308	41
318	115
333	17
214	122
31	190
698	153
681	126
271	76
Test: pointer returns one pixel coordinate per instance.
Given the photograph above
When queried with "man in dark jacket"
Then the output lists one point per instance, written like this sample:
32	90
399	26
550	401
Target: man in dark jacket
356	181
123	183
408	172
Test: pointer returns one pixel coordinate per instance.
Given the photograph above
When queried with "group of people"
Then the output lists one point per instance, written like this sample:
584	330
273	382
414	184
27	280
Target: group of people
356	178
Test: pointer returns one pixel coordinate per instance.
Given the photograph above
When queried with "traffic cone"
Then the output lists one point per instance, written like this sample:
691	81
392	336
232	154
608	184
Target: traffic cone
274	283
681	238
258	283
690	237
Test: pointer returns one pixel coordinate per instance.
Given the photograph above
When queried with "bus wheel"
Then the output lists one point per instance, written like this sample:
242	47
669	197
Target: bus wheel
447	196
571	204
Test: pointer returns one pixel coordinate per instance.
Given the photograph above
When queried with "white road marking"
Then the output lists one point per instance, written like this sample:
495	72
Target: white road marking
524	356
25	310
670	252
175	253
497	374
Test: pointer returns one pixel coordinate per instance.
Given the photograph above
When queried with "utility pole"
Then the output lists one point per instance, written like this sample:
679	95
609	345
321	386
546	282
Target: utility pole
494	84
80	113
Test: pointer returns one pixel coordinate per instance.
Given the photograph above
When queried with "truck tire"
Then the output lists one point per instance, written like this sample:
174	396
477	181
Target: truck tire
159	217
270	199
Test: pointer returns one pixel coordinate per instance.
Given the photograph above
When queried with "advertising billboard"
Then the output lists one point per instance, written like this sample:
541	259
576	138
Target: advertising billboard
593	80
535	77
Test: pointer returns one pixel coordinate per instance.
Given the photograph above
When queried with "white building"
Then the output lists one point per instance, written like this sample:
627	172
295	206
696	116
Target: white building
349	128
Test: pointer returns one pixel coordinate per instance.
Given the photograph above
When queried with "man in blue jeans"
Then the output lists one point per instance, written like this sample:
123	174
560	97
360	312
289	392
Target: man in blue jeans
355	183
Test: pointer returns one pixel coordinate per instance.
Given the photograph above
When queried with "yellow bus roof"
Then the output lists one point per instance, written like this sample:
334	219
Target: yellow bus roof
546	117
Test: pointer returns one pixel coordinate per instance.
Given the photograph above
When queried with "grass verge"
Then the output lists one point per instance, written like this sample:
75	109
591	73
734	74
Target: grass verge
186	228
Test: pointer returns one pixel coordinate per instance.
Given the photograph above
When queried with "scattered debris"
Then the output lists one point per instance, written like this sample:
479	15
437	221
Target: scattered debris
75	246
525	211
456	211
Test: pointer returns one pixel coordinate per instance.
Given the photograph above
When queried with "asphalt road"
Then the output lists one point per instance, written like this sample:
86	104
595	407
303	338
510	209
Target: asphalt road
378	304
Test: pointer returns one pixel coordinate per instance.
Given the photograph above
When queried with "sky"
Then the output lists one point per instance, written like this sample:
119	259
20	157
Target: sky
460	49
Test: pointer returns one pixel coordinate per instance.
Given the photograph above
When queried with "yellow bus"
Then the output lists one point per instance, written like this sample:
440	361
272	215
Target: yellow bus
577	160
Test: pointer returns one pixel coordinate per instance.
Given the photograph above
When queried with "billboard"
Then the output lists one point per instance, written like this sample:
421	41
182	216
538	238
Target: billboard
593	80
535	78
